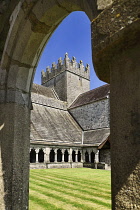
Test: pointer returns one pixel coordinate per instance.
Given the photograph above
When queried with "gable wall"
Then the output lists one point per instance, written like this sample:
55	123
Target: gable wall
92	116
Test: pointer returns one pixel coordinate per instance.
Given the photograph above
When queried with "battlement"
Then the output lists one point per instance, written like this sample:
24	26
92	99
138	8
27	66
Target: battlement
65	65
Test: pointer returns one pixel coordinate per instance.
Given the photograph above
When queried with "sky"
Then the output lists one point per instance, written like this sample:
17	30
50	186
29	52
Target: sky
73	36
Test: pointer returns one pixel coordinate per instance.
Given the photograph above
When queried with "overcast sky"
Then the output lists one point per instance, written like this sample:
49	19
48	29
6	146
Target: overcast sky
74	37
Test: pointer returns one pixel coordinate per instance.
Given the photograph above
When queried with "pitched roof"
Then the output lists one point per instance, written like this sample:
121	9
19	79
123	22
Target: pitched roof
53	125
107	140
96	137
41	90
91	96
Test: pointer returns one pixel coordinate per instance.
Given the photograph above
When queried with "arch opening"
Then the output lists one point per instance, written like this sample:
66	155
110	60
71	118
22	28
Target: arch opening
73	156
66	156
86	157
52	155
32	156
41	156
92	157
79	156
59	155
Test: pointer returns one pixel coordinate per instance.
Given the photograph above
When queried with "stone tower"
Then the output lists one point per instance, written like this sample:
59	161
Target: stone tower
68	78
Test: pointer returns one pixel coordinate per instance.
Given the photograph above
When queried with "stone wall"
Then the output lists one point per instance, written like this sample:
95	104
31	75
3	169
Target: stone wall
105	156
59	83
75	86
92	116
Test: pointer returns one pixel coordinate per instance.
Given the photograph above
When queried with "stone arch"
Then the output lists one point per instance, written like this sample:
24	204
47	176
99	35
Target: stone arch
66	156
79	156
73	155
59	155
32	156
30	28
92	154
52	155
86	157
31	25
41	156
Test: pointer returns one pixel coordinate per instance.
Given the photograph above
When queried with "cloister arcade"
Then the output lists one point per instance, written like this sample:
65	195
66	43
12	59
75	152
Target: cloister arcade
63	155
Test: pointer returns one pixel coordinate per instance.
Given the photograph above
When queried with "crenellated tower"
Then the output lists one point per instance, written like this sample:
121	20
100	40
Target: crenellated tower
68	78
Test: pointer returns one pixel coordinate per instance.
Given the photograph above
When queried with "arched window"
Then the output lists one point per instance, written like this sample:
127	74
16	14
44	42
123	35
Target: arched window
41	156
73	156
66	156
86	157
52	155
79	156
59	155
92	157
32	156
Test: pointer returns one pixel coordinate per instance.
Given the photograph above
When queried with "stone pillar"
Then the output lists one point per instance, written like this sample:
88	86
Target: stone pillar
76	155
70	155
96	160
116	56
14	146
47	155
125	128
55	159
37	151
83	154
97	156
62	155
89	155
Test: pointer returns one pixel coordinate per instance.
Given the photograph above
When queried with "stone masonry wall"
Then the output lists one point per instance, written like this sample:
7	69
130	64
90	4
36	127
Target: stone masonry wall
92	116
105	156
60	85
75	86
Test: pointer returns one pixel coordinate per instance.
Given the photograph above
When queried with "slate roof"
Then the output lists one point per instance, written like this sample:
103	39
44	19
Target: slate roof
41	90
91	96
53	125
104	142
96	137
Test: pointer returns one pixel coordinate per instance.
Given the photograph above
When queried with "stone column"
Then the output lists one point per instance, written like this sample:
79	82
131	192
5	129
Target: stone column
76	155
96	160
37	151
47	155
83	154
70	155
116	55
62	155
96	157
14	146
55	159
125	128
89	155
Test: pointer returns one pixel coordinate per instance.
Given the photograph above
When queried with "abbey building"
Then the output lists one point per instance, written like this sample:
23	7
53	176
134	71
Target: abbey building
69	122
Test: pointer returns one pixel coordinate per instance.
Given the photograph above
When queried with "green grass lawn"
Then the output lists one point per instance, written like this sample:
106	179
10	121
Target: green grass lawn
69	189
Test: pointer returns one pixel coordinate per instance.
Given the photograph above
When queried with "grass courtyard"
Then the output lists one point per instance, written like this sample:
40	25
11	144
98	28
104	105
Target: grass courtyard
69	189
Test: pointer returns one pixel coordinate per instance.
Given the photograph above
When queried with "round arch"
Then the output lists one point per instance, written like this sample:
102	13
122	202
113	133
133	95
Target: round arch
31	25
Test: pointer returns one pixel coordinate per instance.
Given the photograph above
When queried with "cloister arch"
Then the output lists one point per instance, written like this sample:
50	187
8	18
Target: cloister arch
32	156
59	155
73	155
116	49
79	156
41	156
52	156
86	157
31	25
92	157
66	156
